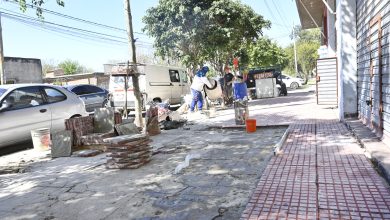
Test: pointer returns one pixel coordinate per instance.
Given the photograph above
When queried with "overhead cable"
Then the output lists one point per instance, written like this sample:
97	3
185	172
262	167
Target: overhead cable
76	19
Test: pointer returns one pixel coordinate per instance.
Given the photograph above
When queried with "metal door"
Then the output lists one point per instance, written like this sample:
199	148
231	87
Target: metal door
375	50
327	90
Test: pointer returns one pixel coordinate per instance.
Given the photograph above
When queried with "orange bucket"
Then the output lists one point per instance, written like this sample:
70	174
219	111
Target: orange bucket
250	125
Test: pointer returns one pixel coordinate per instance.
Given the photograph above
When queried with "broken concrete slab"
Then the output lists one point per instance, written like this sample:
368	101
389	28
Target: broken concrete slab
125	138
61	143
86	153
103	120
126	129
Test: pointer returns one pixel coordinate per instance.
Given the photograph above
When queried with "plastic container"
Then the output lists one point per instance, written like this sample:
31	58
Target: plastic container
250	125
239	90
41	139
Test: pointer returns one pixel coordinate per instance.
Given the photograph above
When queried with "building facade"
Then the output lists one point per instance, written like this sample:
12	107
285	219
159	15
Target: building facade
357	33
22	70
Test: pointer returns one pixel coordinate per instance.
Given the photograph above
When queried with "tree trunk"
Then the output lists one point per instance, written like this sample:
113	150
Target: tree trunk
134	76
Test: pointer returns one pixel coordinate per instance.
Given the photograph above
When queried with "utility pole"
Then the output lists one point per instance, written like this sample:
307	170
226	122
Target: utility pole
134	73
295	51
2	78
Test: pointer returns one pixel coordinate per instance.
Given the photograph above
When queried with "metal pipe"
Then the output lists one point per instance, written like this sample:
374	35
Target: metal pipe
329	8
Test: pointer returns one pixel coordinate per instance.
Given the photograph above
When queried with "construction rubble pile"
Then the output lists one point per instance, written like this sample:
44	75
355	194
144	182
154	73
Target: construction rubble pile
128	151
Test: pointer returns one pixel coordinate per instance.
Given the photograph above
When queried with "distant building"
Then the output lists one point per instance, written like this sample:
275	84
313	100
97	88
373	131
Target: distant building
55	72
22	70
96	78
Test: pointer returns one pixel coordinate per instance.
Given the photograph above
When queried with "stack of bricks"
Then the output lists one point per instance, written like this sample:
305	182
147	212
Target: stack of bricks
128	151
79	126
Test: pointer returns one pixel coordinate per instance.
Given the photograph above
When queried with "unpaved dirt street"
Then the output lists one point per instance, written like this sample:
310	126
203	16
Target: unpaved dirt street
219	181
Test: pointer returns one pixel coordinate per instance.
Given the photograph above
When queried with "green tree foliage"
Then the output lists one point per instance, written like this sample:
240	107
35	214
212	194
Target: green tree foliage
308	42
233	27
264	52
198	31
37	4
71	67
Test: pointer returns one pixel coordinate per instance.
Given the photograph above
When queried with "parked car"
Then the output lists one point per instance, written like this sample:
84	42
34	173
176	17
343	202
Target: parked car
92	96
291	82
25	107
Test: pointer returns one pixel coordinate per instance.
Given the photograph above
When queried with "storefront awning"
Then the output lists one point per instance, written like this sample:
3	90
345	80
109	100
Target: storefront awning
310	13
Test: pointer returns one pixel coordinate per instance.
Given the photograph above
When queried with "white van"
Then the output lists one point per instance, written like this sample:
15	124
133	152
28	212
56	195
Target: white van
157	83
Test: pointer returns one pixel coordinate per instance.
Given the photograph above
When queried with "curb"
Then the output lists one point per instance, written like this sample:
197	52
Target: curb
375	157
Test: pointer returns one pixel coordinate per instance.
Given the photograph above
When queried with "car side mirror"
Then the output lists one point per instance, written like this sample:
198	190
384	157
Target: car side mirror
4	106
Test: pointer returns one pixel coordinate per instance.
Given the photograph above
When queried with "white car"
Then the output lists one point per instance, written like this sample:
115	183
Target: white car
291	82
25	107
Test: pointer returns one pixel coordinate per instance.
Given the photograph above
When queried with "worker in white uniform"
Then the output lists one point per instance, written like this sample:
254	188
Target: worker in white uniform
198	83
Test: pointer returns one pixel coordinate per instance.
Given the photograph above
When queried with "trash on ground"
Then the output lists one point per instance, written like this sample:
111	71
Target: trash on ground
186	162
169	125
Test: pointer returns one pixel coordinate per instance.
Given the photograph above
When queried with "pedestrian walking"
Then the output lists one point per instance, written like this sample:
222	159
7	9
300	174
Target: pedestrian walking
198	83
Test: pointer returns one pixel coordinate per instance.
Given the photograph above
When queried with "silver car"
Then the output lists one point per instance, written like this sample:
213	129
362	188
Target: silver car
92	96
25	107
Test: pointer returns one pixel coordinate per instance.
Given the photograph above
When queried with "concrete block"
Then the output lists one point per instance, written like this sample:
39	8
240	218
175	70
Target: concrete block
126	128
61	144
104	120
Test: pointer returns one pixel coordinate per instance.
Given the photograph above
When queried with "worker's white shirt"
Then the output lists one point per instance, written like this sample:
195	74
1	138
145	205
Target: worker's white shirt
199	82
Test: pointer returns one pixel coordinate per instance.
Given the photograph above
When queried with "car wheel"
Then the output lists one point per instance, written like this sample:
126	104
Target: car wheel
294	85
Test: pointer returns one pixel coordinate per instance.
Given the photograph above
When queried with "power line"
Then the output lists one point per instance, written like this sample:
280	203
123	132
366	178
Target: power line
269	9
63	34
62	31
76	19
280	15
75	32
14	14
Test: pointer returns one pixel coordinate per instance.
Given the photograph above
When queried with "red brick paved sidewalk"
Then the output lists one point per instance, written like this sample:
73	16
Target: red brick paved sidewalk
321	173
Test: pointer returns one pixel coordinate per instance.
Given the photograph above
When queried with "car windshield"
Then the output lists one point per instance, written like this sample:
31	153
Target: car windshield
2	91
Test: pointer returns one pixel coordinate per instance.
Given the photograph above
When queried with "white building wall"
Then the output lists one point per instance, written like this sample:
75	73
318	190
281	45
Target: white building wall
22	70
331	29
346	54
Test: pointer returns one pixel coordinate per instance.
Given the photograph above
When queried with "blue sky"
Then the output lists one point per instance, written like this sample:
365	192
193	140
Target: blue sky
27	40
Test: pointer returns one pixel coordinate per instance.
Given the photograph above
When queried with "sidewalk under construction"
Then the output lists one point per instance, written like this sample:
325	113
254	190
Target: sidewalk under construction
320	172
